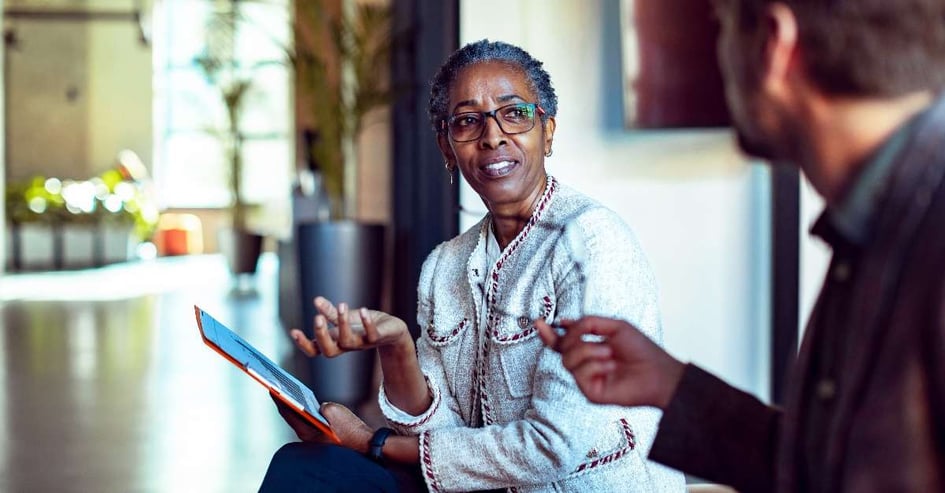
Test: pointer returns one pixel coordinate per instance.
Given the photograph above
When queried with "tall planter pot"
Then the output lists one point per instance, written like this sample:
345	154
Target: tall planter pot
241	249
344	262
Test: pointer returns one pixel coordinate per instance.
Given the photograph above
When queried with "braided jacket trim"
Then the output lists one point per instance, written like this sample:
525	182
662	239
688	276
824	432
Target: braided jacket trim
434	393
431	332
607	459
426	460
488	416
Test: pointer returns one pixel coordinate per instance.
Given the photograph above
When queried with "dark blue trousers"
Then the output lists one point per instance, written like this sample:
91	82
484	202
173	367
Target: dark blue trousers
303	467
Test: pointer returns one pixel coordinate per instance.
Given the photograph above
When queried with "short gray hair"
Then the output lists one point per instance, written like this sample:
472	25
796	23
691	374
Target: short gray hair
489	51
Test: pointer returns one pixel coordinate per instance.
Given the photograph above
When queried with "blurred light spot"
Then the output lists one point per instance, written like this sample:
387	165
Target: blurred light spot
53	185
38	205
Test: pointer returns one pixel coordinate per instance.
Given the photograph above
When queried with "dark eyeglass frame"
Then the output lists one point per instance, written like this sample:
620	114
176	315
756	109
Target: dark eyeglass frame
446	123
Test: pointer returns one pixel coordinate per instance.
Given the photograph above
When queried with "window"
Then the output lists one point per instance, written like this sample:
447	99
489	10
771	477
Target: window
190	163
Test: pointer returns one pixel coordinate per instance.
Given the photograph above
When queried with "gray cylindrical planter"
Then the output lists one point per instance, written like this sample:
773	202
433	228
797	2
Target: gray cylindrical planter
78	242
116	244
241	249
36	247
344	262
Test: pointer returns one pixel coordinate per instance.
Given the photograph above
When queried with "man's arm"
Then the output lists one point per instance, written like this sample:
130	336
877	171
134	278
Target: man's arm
719	433
709	428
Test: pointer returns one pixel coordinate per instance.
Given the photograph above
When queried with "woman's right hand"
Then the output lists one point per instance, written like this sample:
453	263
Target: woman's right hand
338	331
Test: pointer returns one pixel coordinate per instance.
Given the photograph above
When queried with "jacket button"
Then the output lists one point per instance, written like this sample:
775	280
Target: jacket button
826	389
522	322
842	271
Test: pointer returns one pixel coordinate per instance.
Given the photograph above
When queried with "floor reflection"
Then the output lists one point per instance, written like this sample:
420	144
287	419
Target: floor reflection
110	394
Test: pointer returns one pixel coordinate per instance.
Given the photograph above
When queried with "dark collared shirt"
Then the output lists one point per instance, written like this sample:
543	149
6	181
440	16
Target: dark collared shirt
847	227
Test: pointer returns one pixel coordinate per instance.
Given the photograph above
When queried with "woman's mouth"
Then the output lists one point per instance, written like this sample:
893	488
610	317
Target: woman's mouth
498	169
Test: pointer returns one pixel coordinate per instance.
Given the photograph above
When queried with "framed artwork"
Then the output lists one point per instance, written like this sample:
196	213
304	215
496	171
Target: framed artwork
671	77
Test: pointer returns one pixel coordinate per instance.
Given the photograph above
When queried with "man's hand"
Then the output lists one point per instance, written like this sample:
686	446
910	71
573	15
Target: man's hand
621	366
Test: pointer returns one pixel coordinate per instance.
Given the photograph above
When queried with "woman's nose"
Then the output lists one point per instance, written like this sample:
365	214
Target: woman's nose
492	135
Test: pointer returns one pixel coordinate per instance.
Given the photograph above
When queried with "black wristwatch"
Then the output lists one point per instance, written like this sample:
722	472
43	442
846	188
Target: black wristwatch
377	443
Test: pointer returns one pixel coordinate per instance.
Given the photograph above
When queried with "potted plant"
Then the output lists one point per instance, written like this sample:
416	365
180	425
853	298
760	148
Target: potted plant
340	59
77	223
233	81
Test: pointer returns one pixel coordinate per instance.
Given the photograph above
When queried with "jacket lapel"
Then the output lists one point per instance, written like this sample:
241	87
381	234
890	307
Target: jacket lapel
918	173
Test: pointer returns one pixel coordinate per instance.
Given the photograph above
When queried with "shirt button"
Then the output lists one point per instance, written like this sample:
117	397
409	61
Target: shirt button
841	272
826	389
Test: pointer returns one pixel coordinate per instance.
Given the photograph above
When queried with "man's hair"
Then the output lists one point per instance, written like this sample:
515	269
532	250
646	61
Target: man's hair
485	51
864	47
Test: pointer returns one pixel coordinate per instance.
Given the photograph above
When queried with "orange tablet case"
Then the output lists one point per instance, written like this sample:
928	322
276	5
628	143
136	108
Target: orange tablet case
280	383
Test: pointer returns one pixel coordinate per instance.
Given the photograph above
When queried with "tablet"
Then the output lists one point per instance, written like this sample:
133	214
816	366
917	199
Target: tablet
280	383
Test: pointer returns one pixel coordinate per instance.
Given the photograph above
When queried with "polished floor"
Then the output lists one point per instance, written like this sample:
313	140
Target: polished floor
106	386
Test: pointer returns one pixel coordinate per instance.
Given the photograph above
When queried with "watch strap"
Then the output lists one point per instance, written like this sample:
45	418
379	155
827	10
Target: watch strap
376	445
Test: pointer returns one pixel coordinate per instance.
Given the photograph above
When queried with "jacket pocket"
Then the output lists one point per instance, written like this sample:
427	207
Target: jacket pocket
442	331
617	444
516	340
519	359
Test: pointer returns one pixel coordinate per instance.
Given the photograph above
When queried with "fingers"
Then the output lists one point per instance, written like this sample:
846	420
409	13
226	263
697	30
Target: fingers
552	334
326	308
302	342
547	334
371	334
587	359
592	377
302	428
585	353
326	343
347	339
334	412
587	329
570	334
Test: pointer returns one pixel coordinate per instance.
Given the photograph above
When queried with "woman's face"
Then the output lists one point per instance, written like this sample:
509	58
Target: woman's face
507	171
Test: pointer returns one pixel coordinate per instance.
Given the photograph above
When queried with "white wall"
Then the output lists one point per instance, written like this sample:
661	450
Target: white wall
80	91
700	210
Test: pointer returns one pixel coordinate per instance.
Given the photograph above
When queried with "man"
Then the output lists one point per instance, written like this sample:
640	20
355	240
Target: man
847	90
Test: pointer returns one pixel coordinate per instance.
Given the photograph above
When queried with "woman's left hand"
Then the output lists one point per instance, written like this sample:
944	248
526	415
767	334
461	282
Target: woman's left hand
338	331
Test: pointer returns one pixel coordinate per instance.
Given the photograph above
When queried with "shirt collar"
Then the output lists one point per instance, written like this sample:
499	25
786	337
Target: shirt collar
851	219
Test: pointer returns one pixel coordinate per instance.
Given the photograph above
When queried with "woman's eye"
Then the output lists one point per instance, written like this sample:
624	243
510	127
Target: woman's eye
465	121
517	114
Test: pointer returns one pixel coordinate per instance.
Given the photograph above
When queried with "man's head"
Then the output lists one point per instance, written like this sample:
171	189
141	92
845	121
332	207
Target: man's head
843	48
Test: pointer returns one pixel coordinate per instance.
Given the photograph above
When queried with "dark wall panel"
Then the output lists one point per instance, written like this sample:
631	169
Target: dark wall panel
425	203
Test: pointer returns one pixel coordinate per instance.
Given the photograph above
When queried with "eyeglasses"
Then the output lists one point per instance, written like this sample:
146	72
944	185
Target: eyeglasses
512	119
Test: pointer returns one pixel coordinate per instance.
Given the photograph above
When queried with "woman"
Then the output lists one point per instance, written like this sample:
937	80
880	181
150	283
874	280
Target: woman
479	403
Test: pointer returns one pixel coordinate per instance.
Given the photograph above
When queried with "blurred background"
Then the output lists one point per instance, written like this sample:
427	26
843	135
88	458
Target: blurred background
245	155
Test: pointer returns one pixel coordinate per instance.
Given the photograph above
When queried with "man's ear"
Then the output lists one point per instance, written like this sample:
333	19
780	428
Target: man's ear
781	47
550	126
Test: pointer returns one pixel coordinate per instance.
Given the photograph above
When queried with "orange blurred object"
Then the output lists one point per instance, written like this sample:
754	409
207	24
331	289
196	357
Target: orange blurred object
178	234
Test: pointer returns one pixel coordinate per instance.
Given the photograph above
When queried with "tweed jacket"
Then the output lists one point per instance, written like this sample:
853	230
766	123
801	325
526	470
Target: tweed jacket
505	412
887	428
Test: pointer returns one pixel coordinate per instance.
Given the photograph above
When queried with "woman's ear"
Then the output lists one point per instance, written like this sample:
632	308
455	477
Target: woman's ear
445	148
549	133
